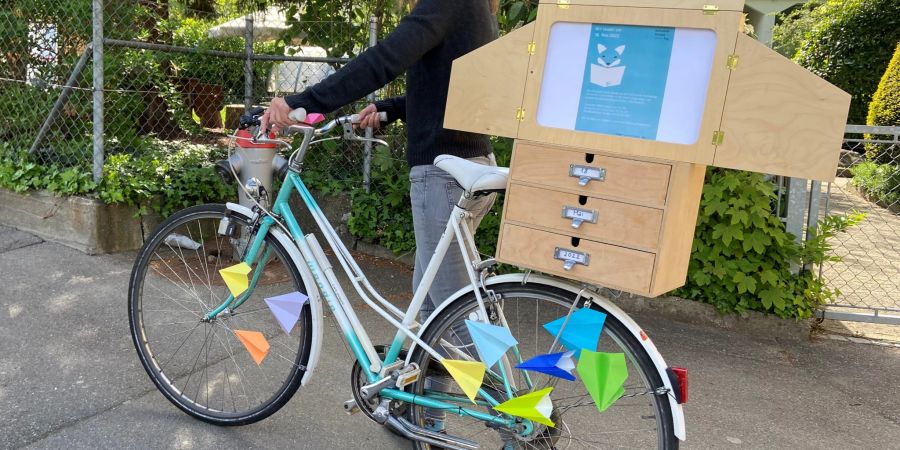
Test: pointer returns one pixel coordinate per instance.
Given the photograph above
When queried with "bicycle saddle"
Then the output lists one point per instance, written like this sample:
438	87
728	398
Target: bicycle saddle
471	176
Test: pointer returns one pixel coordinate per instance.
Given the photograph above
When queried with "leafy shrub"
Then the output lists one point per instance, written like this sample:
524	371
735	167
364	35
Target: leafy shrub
850	46
880	181
884	110
793	27
164	176
742	255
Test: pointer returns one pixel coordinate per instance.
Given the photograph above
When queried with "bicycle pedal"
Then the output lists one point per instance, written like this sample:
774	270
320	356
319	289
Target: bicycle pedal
390	368
408	375
351	407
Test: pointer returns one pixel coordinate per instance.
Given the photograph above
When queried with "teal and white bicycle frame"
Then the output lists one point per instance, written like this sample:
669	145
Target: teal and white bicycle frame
315	268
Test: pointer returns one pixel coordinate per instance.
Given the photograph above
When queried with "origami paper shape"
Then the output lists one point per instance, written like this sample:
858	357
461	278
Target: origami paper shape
236	278
255	343
286	309
490	340
554	364
604	375
468	375
582	331
535	406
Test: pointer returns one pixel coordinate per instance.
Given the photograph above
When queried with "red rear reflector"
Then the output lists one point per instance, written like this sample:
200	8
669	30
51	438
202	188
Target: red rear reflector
681	387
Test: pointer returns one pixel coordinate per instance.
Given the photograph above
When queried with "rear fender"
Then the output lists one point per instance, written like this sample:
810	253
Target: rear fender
605	303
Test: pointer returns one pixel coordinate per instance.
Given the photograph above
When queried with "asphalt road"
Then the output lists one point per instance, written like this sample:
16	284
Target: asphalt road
69	376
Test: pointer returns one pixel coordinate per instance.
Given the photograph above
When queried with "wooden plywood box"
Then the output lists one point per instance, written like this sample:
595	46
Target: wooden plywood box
617	107
633	240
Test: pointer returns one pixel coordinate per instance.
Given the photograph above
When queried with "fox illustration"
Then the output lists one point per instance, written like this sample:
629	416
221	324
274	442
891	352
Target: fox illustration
610	58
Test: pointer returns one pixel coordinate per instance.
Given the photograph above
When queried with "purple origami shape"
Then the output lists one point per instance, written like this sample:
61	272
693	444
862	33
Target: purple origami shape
286	309
559	365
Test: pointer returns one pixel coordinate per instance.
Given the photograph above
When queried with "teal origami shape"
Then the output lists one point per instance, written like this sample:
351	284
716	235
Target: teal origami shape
582	331
490	340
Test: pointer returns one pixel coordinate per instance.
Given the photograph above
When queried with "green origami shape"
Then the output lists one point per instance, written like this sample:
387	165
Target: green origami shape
535	406
604	375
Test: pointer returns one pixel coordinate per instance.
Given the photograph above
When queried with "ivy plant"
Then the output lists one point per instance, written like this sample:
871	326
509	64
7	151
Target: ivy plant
742	257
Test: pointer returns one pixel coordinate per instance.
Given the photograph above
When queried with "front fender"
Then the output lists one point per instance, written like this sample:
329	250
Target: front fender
315	298
605	303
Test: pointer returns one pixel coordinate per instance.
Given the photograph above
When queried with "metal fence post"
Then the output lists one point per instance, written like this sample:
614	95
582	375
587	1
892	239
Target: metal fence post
97	46
71	83
797	203
248	63
370	133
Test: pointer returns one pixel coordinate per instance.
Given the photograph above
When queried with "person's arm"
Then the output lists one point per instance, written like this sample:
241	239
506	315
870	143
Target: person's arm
417	33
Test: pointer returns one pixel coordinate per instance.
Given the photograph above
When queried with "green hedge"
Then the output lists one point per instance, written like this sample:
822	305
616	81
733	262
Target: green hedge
850	46
884	110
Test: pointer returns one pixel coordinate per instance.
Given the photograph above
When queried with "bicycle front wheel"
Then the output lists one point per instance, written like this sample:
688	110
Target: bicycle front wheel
641	418
200	365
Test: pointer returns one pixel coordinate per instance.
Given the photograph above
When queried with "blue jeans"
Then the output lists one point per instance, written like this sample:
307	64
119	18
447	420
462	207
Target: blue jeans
434	193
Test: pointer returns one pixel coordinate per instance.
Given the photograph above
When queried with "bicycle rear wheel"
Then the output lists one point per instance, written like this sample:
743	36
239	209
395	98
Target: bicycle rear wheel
642	418
202	366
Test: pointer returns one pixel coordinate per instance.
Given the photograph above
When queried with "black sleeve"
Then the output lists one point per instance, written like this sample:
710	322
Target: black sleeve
417	33
395	107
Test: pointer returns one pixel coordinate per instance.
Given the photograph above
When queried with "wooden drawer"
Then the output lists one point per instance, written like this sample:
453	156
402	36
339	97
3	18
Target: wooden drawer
609	265
617	222
625	179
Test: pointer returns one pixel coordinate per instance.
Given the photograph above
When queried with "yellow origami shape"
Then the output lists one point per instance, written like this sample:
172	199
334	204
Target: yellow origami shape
535	407
255	343
468	375
236	278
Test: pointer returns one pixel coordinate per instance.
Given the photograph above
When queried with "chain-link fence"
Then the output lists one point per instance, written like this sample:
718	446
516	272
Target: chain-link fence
175	76
868	273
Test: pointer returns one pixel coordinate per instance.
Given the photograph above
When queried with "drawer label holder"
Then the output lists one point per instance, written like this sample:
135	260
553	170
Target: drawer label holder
579	215
571	257
586	173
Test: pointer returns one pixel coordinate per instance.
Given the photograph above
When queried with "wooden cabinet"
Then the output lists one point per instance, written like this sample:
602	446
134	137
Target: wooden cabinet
624	223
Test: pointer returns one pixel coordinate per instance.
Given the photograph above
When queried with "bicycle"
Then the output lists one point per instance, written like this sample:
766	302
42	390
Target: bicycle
183	321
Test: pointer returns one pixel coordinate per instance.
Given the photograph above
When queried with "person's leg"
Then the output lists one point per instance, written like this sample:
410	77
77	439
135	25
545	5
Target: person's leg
433	194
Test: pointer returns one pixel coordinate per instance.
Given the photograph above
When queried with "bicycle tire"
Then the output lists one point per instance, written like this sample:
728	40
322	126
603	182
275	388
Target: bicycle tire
151	357
613	330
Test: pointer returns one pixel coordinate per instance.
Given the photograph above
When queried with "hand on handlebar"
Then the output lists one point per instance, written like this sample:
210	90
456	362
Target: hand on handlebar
276	116
369	117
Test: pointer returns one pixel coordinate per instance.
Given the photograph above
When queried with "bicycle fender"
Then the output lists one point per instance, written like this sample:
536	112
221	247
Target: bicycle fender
315	298
611	308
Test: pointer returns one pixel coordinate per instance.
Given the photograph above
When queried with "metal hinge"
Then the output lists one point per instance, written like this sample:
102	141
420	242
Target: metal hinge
531	48
710	10
732	61
718	137
563	4
520	114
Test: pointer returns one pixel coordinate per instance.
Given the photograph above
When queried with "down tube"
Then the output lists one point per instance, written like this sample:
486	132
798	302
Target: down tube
282	208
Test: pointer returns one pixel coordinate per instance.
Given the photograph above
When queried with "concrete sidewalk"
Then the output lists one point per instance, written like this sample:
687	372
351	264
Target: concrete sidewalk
70	378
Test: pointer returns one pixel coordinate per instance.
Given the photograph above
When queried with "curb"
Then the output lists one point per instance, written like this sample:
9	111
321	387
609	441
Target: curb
757	324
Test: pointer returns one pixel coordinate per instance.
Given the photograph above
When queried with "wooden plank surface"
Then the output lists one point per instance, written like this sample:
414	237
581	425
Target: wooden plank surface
780	118
679	224
723	5
486	86
611	266
617	223
626	179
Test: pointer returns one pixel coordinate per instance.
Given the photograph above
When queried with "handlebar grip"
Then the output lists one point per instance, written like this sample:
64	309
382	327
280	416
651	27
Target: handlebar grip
382	117
297	115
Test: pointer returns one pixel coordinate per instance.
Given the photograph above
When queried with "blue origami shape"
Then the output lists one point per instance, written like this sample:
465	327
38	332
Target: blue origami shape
582	331
286	309
490	340
559	365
